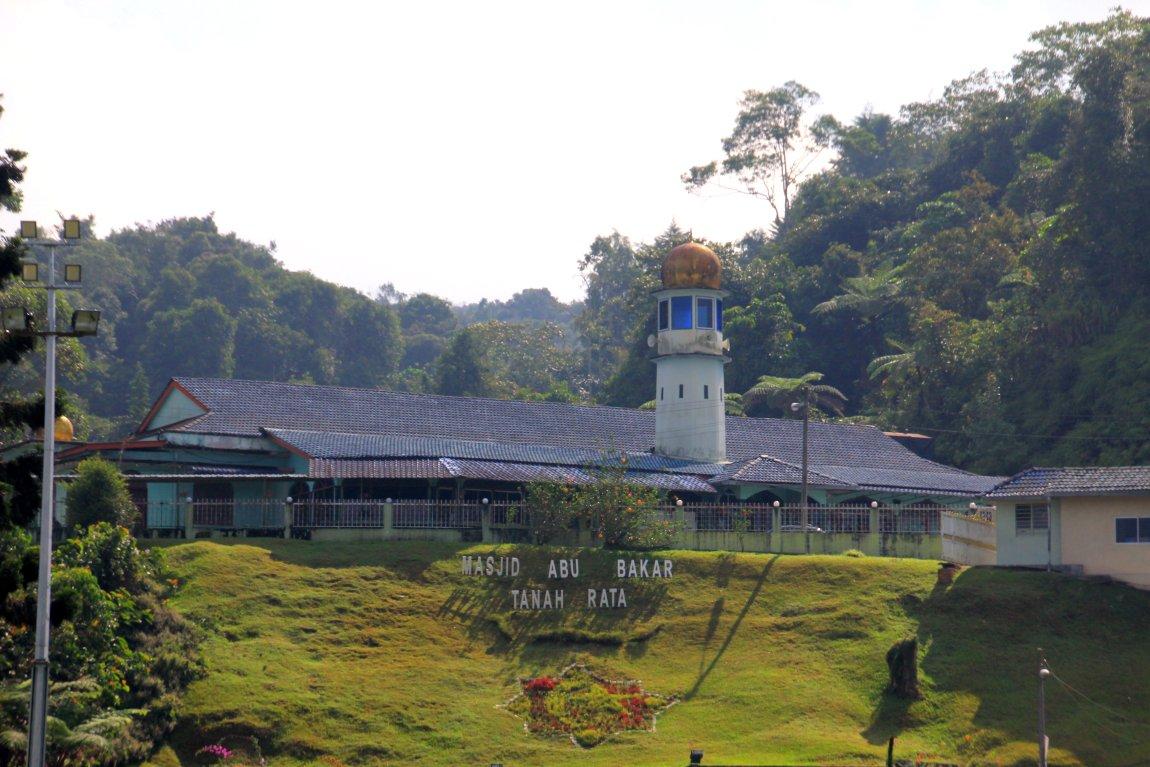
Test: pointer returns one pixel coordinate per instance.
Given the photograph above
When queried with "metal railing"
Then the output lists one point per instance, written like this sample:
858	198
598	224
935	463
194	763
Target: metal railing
438	515
469	514
223	514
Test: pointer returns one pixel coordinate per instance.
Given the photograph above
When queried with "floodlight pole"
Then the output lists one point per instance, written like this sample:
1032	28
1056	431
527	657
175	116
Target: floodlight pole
38	713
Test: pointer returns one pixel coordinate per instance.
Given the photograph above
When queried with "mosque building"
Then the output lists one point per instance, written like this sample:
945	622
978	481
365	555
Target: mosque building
233	449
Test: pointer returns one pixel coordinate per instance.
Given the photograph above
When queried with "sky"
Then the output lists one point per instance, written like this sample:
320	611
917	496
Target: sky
466	149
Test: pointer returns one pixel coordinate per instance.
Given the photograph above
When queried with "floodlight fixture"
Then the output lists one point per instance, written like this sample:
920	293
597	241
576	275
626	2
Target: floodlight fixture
85	322
29	230
72	272
72	229
30	271
14	319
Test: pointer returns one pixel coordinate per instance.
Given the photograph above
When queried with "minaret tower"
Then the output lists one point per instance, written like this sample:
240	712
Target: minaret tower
690	419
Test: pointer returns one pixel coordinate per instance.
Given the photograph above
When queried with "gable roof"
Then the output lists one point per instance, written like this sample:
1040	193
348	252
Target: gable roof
1039	482
341	422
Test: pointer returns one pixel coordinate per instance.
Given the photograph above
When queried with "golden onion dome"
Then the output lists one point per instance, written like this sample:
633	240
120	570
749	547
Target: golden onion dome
692	265
64	430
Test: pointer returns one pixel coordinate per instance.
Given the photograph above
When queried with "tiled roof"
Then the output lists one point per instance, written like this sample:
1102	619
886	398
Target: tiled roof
322	444
1075	480
765	469
859	455
496	471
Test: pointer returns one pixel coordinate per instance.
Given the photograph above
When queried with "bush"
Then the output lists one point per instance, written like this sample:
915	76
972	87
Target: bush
854	553
99	494
623	513
113	639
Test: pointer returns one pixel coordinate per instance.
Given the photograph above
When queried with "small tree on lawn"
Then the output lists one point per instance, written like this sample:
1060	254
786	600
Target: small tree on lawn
99	494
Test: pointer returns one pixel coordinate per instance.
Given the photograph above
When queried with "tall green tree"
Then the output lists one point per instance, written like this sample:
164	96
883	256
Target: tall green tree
771	148
778	393
462	371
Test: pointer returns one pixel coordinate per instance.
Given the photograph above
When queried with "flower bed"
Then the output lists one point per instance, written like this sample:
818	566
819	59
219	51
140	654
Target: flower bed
585	706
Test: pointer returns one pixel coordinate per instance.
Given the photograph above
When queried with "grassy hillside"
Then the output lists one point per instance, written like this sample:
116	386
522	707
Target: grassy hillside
385	653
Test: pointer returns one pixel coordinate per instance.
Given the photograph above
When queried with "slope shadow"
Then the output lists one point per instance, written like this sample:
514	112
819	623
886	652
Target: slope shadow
713	623
981	637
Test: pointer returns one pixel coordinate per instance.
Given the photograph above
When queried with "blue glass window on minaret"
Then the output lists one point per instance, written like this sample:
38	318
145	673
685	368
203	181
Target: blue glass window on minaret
663	323
681	313
704	313
718	314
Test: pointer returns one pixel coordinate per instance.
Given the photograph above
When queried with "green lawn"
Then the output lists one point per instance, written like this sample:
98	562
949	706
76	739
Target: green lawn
383	653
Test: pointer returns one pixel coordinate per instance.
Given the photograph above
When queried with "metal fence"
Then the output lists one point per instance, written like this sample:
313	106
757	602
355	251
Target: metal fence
256	513
438	515
468	514
847	518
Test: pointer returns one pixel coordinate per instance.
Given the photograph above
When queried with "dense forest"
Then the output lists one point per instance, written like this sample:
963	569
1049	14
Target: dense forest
973	268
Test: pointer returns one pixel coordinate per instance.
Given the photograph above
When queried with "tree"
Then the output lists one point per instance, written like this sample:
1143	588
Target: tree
868	295
609	268
461	371
778	393
770	150
425	313
198	340
99	494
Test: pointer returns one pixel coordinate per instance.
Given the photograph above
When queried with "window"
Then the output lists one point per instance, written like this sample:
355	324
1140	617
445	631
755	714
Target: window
1132	530
663	315
704	311
1030	518
706	392
680	391
718	314
681	313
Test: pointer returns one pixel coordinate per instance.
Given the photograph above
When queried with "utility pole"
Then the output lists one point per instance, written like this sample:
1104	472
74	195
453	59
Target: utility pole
1043	741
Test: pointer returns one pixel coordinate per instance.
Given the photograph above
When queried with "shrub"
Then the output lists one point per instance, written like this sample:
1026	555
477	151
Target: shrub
120	655
623	514
99	494
854	553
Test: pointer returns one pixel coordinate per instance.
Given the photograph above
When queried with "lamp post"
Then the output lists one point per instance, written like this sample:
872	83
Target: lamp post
805	407
19	321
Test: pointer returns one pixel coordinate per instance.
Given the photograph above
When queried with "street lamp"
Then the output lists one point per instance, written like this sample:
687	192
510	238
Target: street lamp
18	321
805	407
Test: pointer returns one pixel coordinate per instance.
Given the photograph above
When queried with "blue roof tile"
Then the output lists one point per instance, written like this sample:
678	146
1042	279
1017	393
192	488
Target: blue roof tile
339	422
1040	482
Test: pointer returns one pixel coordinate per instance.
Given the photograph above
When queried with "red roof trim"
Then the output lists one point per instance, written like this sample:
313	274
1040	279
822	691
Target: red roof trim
285	445
92	447
172	384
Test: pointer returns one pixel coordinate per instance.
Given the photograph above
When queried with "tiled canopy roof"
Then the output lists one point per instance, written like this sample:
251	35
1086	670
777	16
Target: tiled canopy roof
339	422
1081	480
496	471
765	469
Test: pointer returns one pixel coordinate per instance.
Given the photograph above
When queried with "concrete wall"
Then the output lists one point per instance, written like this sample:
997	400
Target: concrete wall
872	544
968	540
381	534
1028	548
1088	538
